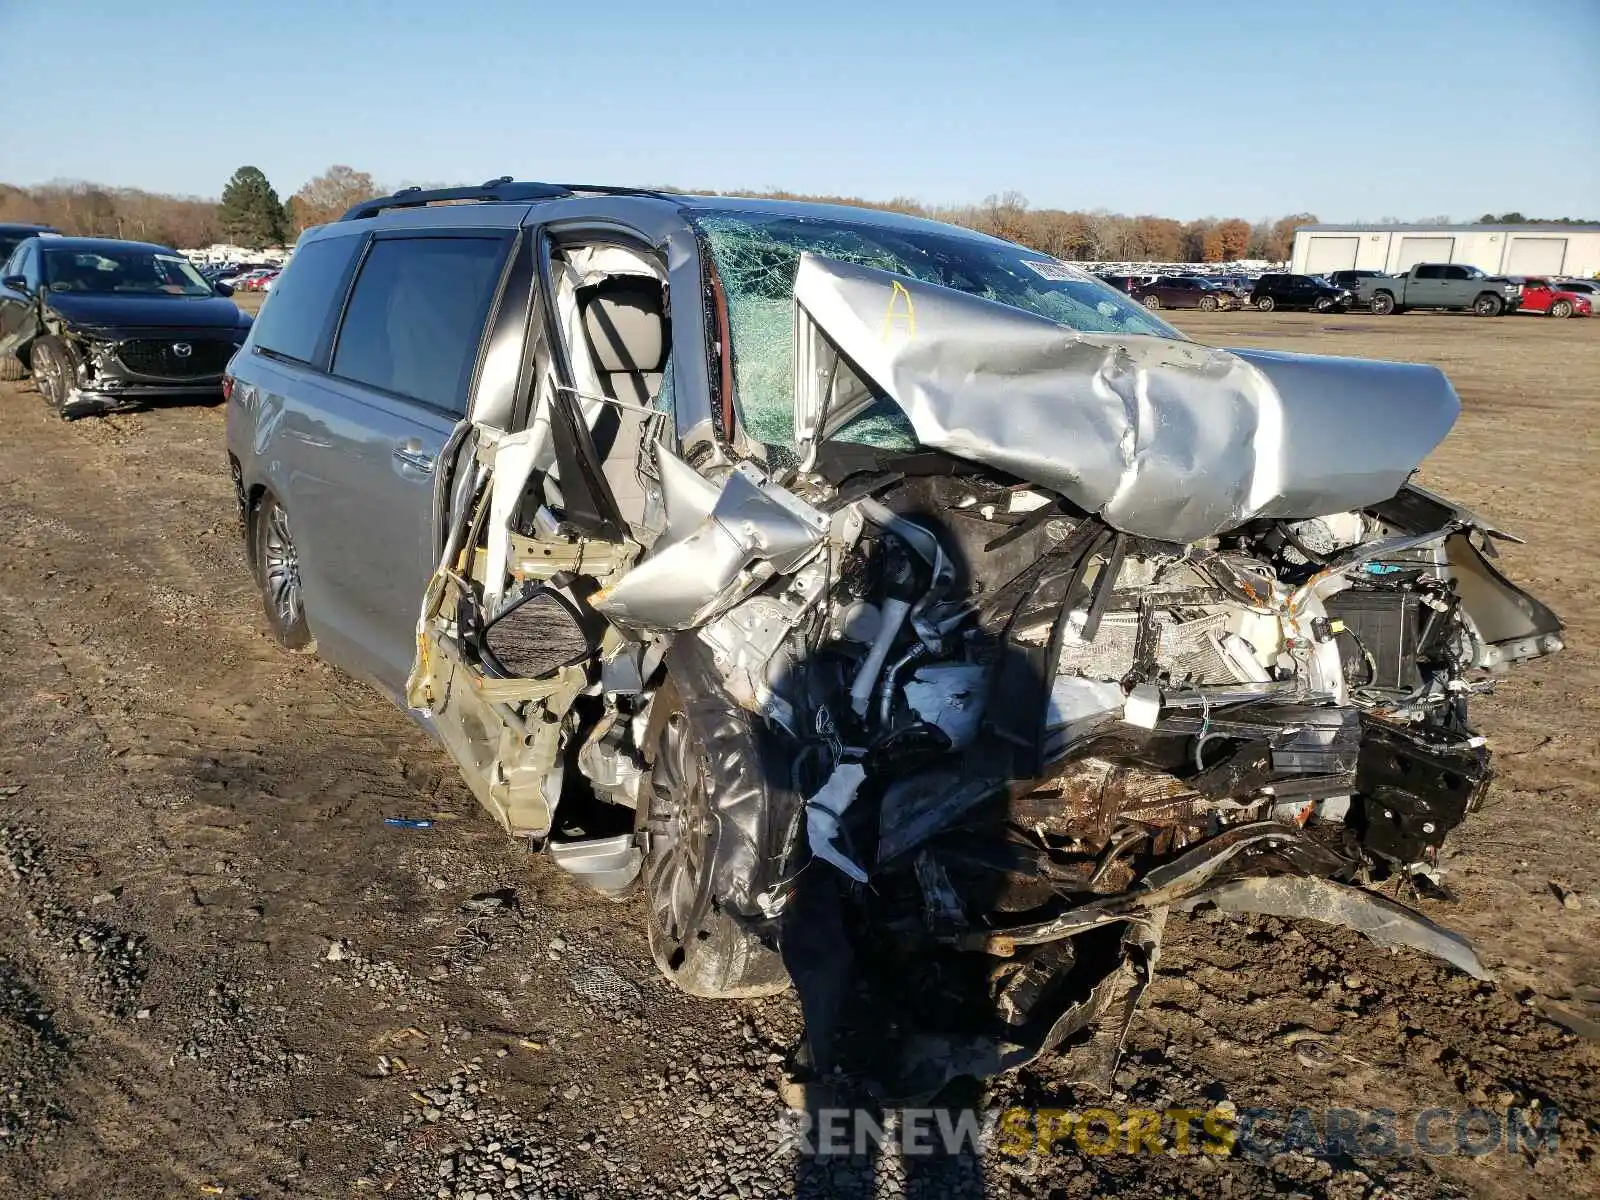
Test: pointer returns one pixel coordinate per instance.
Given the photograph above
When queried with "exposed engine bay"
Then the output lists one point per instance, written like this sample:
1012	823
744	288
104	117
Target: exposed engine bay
924	718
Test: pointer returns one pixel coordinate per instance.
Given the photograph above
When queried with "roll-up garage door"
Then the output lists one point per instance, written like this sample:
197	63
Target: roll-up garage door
1536	256
1415	250
1331	254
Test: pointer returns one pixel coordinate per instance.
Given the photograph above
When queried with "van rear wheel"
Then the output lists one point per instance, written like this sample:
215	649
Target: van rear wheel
277	564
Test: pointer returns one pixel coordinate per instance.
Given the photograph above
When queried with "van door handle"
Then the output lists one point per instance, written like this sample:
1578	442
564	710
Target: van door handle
410	454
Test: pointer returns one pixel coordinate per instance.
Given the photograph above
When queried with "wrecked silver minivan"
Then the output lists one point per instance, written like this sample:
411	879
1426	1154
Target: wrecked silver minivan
919	618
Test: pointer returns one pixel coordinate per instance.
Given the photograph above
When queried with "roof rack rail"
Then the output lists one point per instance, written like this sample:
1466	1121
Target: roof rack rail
504	189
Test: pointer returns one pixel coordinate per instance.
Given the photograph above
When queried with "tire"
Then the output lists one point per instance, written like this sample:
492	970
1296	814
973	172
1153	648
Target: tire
276	561
1322	305
1561	309
1488	305
52	365
1266	304
1383	304
1209	304
699	946
1152	302
12	368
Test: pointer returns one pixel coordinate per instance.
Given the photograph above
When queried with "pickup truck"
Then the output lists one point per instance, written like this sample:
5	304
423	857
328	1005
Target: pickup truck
1440	285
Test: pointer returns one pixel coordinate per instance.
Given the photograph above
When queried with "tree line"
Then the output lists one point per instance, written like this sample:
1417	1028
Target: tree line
249	213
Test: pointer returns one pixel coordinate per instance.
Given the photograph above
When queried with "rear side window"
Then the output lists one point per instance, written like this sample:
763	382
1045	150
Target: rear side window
416	317
305	299
1430	272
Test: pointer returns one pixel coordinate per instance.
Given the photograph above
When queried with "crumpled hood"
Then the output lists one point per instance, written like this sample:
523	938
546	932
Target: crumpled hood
1163	438
147	312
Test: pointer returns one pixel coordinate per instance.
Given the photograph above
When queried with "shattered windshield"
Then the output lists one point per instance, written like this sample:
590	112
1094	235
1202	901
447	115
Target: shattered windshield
758	254
118	270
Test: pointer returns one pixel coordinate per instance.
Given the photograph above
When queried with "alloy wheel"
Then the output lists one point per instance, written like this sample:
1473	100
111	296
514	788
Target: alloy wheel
48	378
281	569
678	833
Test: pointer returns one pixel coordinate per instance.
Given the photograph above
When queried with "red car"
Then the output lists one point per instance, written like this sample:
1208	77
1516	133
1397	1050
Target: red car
1543	296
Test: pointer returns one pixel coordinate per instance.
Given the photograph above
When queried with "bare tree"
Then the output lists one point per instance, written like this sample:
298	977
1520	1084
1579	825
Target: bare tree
328	196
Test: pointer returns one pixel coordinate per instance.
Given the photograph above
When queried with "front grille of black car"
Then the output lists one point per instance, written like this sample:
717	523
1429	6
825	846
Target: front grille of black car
163	359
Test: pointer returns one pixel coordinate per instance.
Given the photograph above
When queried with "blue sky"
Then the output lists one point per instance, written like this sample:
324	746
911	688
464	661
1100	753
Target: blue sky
1352	109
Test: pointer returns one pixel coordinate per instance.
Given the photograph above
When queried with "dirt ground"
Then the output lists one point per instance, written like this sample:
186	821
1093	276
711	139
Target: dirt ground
221	973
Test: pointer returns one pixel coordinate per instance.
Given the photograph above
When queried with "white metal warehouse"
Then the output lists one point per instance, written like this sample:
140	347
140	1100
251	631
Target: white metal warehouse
1498	249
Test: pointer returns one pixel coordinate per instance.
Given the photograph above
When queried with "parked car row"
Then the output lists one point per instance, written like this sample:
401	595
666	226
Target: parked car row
255	277
1212	293
1446	286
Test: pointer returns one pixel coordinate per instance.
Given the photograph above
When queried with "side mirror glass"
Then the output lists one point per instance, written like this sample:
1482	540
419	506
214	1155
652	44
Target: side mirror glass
17	283
222	289
535	635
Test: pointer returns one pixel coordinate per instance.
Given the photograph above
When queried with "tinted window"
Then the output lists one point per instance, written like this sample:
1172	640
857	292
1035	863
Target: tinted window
1430	272
305	298
416	317
1457	273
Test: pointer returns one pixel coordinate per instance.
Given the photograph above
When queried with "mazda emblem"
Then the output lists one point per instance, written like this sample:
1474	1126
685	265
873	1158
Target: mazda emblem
182	349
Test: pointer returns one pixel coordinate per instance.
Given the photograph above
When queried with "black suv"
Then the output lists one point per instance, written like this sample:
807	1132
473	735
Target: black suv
1298	291
103	323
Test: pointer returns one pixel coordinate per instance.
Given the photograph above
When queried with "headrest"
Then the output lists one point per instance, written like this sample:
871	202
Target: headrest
623	319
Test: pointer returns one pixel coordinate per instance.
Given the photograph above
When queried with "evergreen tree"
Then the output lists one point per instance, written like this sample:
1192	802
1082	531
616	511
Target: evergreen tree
250	212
